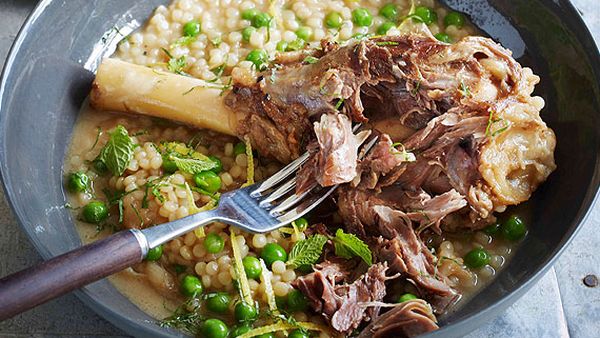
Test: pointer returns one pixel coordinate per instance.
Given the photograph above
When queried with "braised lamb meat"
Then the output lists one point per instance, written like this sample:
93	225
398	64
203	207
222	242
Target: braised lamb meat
469	142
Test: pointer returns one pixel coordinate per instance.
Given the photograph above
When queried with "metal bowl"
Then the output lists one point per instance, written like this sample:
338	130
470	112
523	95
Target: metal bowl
50	68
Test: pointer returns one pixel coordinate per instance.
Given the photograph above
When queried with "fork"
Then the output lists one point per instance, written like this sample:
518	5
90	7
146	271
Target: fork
257	208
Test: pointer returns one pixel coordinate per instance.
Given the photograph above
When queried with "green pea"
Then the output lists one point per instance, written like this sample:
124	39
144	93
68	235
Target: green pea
155	253
208	181
95	212
298	334
477	258
301	223
179	268
247	33
78	182
333	20
281	46
389	11
261	20
239	148
169	166
362	17
249	14
252	267
100	167
192	28
218	302
304	33
492	229
219	165
258	57
385	27
454	19
406	297
266	335
513	229
240	330
443	37
213	243
191	286
244	312
214	328
425	15
296	45
273	252
281	302
296	301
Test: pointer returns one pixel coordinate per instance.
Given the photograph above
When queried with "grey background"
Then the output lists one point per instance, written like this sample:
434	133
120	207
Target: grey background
558	306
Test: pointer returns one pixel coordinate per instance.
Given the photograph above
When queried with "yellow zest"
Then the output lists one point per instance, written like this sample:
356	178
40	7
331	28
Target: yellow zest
193	209
242	279
250	163
284	326
295	227
265	278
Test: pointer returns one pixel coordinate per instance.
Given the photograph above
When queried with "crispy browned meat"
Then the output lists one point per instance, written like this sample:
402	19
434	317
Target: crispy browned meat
410	319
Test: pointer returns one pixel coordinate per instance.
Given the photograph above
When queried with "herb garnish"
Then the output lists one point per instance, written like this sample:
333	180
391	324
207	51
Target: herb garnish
348	246
464	89
310	59
387	43
182	319
118	151
307	251
407	156
175	65
493	120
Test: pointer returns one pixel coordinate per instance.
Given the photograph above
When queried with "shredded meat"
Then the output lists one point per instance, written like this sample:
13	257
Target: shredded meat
342	304
410	319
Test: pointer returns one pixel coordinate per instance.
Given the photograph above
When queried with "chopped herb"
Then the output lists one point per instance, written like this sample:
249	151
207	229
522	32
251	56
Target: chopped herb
306	252
387	43
137	213
177	65
182	319
493	120
311	59
348	246
218	71
415	90
339	103
118	151
407	156
98	134
183	41
217	41
464	89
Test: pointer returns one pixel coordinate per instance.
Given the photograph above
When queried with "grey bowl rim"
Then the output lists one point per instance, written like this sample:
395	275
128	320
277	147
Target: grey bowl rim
590	199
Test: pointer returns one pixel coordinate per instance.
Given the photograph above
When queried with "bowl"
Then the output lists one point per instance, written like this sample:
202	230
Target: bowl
49	71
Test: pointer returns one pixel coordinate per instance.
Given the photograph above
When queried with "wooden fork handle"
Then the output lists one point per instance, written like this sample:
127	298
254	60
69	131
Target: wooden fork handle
57	276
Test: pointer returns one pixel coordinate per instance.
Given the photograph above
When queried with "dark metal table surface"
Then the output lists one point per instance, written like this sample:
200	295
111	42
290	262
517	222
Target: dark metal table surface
560	305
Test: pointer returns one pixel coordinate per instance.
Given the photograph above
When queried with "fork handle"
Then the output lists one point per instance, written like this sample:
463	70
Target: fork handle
38	284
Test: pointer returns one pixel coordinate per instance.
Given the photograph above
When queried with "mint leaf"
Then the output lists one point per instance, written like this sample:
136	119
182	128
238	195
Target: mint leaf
118	151
310	60
193	165
348	246
307	251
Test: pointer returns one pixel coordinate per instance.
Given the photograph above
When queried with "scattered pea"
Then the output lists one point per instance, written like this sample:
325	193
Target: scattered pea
169	166
240	330
214	328
208	181
247	33
261	20
477	258
298	334
249	14
244	312
78	182
513	229
492	229
258	57
301	223
282	46
95	212
239	148
385	27
304	33
192	28
454	19
443	37
296	301
218	302
252	267
389	11
155	253
333	20
213	243
362	17
218	164
406	297
191	286
425	15
273	252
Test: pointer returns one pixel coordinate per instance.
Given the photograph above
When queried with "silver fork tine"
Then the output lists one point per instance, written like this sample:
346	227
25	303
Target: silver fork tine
280	175
295	198
284	189
311	203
